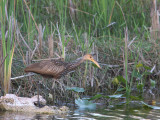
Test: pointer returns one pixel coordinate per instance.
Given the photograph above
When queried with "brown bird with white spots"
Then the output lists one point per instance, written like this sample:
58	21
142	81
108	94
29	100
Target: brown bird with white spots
57	68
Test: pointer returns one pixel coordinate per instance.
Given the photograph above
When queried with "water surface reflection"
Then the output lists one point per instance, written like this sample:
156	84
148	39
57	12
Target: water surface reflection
98	114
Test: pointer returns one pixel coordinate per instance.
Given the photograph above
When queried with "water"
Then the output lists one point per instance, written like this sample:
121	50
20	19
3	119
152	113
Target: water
98	114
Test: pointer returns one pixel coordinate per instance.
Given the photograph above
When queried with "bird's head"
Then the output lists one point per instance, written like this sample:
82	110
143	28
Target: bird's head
90	57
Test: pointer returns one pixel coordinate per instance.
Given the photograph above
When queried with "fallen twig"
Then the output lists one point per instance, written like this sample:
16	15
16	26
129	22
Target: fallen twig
22	76
49	59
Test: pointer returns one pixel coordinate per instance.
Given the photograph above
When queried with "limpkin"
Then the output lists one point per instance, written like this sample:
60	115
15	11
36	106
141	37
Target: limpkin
57	68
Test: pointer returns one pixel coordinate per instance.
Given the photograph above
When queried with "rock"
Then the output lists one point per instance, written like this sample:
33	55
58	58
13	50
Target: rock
11	102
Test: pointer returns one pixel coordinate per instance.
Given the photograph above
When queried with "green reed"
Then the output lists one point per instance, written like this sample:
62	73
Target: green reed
7	42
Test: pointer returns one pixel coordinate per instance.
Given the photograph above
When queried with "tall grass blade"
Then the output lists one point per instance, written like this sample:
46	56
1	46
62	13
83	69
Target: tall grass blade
7	43
126	61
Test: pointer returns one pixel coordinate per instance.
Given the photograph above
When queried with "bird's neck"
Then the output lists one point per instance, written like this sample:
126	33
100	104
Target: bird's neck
76	63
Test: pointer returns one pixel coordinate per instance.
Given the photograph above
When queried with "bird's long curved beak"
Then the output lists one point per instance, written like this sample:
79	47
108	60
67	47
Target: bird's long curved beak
95	62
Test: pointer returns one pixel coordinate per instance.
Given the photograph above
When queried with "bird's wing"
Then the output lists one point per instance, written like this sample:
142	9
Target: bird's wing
47	68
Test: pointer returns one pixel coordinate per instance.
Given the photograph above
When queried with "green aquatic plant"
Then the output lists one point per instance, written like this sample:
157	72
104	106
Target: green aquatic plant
85	104
81	103
141	74
7	42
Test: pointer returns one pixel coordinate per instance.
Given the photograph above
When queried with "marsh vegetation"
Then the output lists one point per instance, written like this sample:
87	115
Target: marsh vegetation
124	35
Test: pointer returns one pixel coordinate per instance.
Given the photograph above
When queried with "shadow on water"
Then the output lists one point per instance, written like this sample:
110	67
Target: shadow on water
102	113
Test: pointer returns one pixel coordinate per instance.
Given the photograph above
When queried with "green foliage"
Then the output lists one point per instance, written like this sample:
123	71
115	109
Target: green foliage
115	96
140	87
150	106
75	89
153	83
97	96
141	76
121	80
115	81
133	98
85	104
7	42
139	65
121	89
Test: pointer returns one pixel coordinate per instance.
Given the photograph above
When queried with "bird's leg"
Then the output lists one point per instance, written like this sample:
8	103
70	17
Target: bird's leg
38	102
53	91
